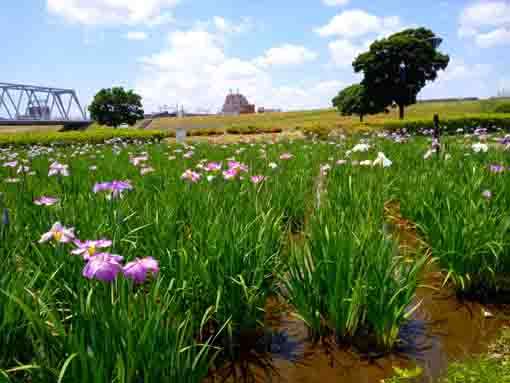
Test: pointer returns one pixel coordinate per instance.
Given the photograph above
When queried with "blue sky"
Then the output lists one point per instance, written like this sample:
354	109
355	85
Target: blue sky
287	54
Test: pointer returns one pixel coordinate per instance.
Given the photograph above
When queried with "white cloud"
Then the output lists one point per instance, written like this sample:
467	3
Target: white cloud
356	23
343	51
494	38
136	36
113	12
461	80
335	3
487	22
285	55
225	26
300	98
195	71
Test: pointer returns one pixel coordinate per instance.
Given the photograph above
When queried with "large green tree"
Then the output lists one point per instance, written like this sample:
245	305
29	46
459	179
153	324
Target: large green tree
116	106
355	100
398	67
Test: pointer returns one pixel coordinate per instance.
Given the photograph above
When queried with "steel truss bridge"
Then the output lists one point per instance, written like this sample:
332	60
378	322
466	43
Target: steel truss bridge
36	105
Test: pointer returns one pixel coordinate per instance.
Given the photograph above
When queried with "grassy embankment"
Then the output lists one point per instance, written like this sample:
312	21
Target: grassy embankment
315	121
329	118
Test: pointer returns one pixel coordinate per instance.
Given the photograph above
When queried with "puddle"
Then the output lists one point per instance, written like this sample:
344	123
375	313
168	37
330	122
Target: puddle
441	331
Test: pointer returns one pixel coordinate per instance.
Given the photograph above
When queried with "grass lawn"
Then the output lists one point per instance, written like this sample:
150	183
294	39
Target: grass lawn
328	118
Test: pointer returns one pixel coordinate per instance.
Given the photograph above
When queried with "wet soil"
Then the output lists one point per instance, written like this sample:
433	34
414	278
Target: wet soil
442	330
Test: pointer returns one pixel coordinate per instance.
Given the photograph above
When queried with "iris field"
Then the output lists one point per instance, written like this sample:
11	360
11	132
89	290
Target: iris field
149	262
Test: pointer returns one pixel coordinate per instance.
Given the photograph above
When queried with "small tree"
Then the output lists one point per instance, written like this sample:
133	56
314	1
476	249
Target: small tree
398	67
354	100
116	106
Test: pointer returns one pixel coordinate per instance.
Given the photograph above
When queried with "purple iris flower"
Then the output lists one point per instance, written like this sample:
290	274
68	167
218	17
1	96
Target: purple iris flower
496	168
116	188
103	266
5	217
505	140
87	249
139	268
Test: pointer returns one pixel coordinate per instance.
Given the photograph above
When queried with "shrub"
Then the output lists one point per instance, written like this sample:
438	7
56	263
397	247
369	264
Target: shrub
450	124
91	136
316	131
502	108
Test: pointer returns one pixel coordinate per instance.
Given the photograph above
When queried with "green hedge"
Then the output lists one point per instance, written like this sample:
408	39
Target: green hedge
502	108
451	124
250	129
92	136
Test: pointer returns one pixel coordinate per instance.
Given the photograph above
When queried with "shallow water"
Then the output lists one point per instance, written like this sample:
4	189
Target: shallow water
442	330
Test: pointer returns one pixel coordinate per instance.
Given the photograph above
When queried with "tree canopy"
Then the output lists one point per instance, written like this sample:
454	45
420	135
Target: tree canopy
116	106
355	100
398	67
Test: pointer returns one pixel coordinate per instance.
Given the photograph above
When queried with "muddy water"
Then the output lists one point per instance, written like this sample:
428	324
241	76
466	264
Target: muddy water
441	331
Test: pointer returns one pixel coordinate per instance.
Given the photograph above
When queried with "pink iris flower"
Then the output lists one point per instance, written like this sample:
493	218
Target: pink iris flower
139	268
46	201
238	166
212	167
191	176
103	266
116	188
257	179
10	164
138	160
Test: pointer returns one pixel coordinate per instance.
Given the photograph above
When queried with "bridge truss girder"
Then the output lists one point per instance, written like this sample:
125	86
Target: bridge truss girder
13	97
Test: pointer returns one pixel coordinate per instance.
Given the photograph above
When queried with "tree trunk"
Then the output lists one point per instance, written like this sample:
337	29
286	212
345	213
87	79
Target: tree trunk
401	111
360	118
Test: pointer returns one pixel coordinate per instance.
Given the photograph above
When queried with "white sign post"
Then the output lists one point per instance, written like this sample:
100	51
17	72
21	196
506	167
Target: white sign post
180	134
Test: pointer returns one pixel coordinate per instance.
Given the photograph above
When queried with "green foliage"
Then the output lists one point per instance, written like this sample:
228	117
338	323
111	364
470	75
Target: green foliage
502	108
317	130
346	278
355	100
91	136
405	375
116	106
252	129
483	370
491	368
450	124
381	66
223	247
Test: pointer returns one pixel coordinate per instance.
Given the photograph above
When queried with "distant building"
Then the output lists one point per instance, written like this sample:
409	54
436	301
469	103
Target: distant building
236	103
